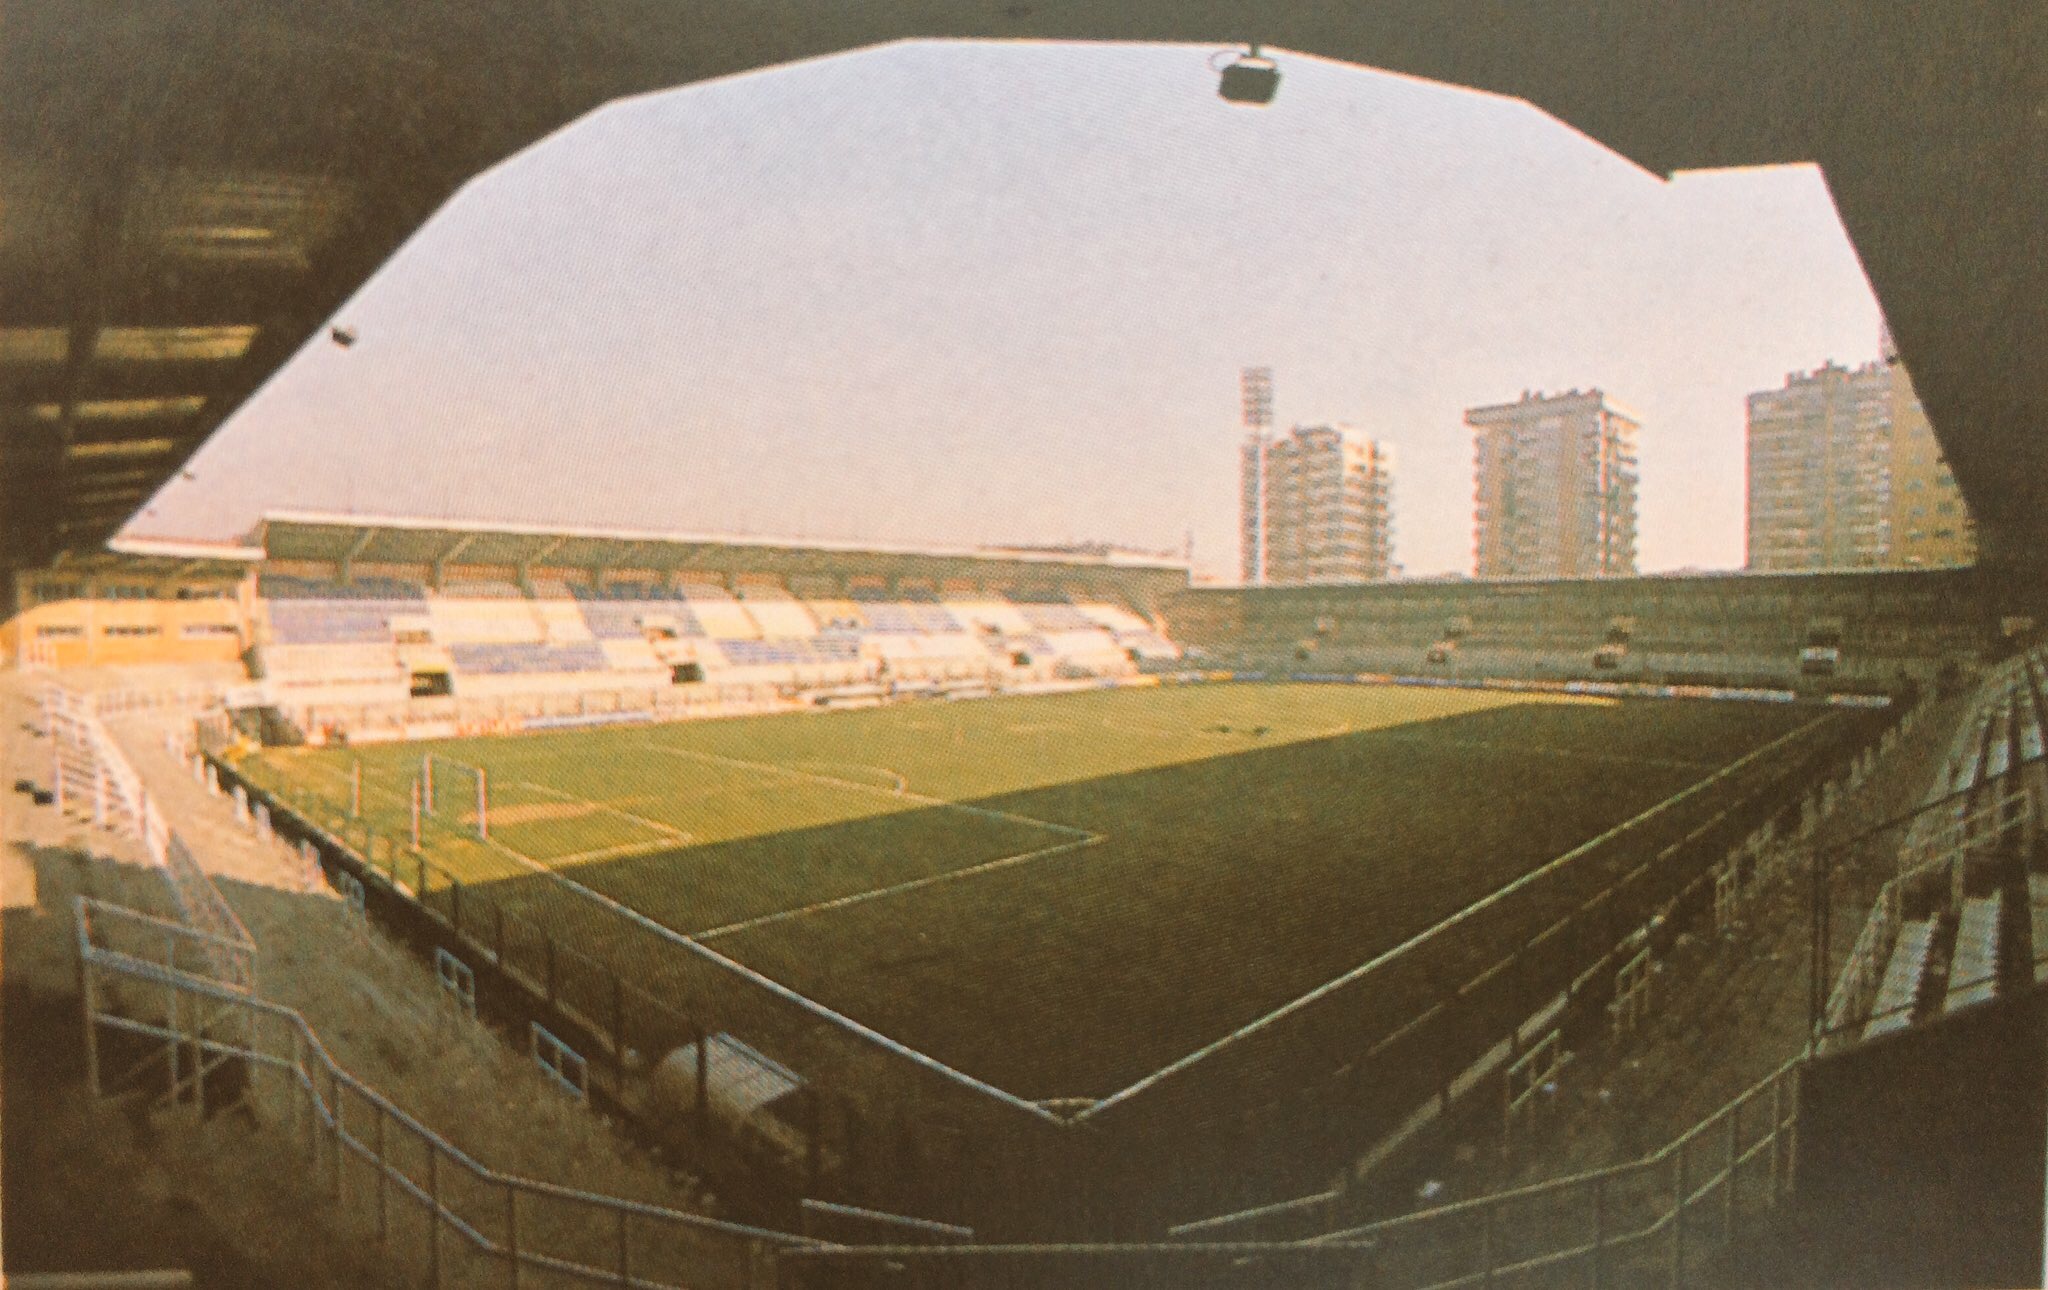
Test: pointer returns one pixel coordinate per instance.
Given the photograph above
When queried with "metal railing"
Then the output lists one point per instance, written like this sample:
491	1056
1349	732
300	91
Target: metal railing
179	994
1935	879
1246	1265
472	1225
90	776
170	1008
1652	1221
173	698
1763	855
1938	837
1943	835
429	1203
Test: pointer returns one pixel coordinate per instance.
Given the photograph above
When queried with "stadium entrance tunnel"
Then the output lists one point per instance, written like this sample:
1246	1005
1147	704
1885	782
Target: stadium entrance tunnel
1184	902
430	685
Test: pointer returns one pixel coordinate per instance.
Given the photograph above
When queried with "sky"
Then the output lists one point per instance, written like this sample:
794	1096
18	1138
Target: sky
963	293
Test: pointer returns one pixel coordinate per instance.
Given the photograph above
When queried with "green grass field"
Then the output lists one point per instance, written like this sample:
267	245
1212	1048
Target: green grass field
1057	894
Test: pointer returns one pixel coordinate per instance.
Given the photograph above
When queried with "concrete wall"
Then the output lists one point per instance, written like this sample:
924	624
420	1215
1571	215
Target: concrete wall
1920	1158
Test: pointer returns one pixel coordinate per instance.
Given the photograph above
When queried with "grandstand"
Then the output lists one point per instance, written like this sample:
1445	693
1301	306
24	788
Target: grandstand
1715	629
369	628
1966	918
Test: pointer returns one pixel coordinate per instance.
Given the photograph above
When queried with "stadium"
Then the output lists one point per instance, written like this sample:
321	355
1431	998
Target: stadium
1019	916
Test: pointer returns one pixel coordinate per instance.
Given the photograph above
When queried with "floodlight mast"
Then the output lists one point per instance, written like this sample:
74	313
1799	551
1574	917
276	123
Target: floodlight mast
1255	388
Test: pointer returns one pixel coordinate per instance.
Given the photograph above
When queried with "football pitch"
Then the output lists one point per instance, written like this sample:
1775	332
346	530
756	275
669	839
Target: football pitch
1056	894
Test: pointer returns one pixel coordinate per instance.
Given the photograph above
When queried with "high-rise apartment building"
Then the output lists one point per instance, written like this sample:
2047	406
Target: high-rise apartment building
1556	487
1317	508
1820	475
1930	523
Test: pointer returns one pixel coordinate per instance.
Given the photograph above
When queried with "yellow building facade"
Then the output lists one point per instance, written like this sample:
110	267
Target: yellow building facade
1930	523
126	611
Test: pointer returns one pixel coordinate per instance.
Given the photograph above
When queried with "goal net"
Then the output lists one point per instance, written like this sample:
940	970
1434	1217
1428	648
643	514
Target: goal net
457	793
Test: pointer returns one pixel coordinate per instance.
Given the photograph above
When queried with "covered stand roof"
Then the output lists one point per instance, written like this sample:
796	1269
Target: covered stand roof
158	559
383	540
187	192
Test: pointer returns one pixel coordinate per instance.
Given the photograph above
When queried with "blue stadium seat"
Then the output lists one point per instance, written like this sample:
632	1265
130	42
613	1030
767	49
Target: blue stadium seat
614	612
512	658
311	611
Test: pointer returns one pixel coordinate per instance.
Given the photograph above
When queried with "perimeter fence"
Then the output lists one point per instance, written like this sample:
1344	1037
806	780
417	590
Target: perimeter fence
1656	1223
497	714
643	1010
1373	1057
171	1016
1440	1030
161	1024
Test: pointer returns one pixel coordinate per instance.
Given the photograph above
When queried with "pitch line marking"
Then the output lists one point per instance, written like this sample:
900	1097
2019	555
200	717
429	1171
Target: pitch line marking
1546	750
1371	965
619	852
690	943
899	783
906	795
896	889
669	832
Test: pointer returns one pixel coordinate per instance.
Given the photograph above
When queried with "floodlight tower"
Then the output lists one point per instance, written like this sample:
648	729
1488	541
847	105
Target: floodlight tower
1255	386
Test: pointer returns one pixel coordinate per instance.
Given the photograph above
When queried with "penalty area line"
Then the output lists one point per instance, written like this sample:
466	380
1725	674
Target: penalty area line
623	851
901	795
668	832
781	991
897	889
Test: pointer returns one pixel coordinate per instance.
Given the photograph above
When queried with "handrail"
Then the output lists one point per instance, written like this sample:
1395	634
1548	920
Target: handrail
1940	835
210	925
313	1059
1583	1178
863	1214
193	983
1255	1212
119	798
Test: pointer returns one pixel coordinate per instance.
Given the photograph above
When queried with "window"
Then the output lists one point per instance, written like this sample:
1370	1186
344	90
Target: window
130	629
63	632
198	631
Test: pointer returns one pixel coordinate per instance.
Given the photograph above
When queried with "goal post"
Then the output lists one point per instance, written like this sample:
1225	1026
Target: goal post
471	776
